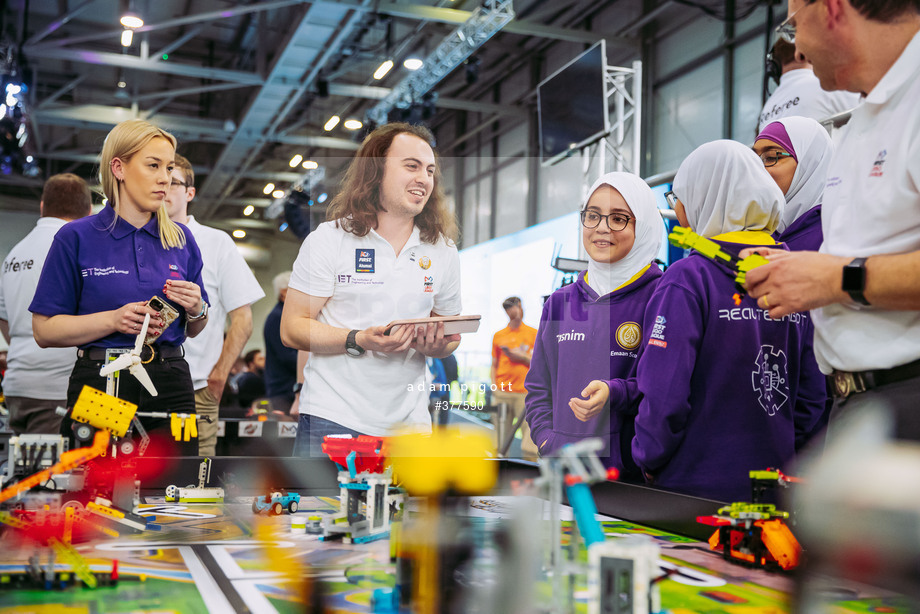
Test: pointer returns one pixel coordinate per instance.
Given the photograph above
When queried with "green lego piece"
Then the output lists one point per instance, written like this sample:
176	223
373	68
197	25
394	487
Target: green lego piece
687	239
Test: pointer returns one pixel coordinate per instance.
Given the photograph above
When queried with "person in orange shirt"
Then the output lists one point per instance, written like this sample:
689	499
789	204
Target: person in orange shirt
512	347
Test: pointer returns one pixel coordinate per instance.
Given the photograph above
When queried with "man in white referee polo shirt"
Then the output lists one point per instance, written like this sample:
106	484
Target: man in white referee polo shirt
387	254
36	379
231	288
863	287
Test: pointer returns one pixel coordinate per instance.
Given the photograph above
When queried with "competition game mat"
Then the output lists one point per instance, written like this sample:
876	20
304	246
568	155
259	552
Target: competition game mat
223	558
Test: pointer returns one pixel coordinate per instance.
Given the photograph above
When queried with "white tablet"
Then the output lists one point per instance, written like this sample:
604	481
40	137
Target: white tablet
453	325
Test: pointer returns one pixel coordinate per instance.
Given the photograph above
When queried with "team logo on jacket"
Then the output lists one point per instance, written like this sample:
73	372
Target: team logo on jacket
364	261
657	336
877	165
629	335
424	262
771	379
429	284
570	336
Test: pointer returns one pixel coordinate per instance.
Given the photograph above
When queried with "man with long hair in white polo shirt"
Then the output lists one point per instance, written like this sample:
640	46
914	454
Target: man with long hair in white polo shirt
387	253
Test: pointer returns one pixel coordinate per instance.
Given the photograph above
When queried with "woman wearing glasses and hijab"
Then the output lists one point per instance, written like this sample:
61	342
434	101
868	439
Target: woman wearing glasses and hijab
796	151
581	381
725	388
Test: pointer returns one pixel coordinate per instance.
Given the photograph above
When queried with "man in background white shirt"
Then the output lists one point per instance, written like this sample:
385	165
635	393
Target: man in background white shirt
231	288
35	383
799	91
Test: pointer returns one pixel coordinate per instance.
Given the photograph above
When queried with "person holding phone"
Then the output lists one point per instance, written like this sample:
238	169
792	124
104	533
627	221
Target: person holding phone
105	273
386	253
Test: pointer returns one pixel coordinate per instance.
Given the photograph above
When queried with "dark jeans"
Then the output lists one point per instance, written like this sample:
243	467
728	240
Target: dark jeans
310	433
174	395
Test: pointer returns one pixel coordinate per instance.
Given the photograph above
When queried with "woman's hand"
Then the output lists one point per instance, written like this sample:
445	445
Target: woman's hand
129	319
186	294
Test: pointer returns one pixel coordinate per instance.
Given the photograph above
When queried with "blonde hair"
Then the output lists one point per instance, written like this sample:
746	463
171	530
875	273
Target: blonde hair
125	140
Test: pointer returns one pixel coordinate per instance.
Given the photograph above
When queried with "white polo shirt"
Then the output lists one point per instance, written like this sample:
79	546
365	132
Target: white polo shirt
229	284
872	206
799	93
32	372
368	285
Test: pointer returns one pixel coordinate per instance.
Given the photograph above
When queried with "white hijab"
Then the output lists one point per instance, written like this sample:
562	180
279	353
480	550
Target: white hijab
604	277
724	187
813	150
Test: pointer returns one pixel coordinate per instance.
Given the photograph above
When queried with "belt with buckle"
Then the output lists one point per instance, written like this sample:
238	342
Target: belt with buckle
846	383
148	352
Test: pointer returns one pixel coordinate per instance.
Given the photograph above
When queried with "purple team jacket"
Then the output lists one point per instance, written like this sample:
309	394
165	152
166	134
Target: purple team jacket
583	338
725	388
805	233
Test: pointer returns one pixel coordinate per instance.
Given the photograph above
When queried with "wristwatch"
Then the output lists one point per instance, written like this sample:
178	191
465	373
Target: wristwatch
854	280
297	387
202	315
351	345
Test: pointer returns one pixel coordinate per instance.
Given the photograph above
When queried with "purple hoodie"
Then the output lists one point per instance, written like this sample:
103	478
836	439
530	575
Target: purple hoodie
582	338
804	234
726	389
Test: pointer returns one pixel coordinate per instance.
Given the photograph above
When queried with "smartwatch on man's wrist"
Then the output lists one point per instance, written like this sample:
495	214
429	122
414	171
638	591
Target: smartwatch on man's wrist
351	345
854	280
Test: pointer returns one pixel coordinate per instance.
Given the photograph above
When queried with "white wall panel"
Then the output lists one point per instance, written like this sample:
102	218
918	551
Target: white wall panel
511	198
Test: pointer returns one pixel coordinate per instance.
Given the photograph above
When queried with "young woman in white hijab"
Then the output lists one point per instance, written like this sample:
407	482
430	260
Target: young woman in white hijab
590	332
724	388
796	151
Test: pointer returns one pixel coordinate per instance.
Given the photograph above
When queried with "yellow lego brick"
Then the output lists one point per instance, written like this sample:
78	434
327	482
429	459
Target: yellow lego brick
103	411
103	510
449	458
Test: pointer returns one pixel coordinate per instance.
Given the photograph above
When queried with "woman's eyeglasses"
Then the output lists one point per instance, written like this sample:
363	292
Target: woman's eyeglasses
616	221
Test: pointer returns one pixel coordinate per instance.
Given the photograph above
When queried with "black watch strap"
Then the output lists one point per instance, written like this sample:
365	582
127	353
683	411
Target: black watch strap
854	280
351	345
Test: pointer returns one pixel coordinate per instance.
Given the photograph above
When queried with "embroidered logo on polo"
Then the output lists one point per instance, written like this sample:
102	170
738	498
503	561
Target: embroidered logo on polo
629	335
174	271
657	336
357	281
570	336
102	272
364	261
425	262
877	165
771	379
429	283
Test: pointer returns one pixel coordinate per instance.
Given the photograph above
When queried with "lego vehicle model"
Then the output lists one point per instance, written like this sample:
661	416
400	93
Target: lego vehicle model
197	494
276	502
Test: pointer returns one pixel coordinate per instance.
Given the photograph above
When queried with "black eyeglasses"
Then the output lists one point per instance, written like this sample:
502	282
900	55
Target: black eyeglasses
770	158
176	184
671	198
616	221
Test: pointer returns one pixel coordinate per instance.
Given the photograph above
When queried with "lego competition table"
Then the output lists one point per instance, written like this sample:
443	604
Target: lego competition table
223	557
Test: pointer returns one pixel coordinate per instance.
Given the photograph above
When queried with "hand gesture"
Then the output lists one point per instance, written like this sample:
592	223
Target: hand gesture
186	294
130	318
595	396
430	340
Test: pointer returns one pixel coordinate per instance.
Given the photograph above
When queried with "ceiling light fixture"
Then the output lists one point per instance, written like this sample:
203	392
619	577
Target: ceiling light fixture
239	234
322	198
248	210
127	36
352	124
310	165
268	188
295	160
413	63
278	194
383	69
131	20
332	123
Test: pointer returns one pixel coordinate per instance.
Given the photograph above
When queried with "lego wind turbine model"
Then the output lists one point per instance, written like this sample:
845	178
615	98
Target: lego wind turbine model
132	361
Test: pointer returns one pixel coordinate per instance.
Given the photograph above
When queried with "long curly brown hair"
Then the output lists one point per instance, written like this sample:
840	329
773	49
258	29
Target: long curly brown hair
356	205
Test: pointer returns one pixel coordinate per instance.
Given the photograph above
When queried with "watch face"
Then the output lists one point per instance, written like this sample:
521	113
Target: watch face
354	351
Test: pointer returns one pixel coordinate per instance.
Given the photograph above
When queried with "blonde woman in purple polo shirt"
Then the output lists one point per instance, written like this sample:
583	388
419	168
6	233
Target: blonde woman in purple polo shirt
102	270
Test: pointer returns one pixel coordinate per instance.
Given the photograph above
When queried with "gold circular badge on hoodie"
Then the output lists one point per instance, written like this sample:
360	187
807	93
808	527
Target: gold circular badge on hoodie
629	335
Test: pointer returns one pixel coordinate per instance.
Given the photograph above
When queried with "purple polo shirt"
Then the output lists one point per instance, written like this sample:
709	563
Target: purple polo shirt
95	265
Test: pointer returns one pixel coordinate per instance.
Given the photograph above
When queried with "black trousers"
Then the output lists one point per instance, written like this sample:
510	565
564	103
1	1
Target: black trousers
175	394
